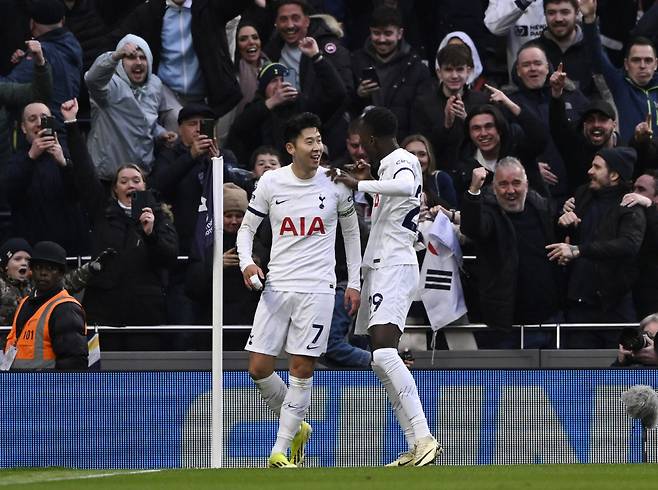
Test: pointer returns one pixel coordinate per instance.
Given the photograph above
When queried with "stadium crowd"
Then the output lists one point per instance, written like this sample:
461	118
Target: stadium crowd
532	121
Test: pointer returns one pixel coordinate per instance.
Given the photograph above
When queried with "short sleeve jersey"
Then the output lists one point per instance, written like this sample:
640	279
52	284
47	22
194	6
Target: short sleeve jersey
304	217
394	218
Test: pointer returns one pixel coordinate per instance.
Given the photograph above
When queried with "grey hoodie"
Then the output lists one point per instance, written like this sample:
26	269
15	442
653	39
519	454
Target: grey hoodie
123	115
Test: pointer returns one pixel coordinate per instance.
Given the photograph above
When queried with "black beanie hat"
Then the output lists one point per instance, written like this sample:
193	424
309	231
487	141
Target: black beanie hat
46	12
621	160
10	247
269	72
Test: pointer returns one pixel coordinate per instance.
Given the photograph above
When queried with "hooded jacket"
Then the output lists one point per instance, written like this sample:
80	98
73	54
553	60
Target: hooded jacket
123	115
209	18
466	39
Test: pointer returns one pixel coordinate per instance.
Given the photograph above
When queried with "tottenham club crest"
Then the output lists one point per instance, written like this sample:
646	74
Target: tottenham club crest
321	198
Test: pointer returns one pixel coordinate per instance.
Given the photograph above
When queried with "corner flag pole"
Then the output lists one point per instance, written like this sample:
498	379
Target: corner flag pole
217	442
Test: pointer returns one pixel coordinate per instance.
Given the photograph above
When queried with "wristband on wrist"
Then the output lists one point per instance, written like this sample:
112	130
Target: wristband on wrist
316	57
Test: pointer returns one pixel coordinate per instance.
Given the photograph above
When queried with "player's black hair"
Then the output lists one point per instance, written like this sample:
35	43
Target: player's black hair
296	124
303	4
384	16
381	121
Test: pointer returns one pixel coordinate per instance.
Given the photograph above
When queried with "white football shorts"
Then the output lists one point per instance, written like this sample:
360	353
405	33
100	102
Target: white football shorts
298	322
386	296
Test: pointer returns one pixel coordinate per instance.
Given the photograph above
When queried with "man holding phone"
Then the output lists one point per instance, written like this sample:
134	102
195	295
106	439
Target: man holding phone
43	202
389	74
309	64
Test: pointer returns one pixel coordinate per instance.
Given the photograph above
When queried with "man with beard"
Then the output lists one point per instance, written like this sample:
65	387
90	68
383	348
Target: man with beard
263	120
125	96
294	27
602	243
518	285
563	42
399	75
579	143
635	88
532	70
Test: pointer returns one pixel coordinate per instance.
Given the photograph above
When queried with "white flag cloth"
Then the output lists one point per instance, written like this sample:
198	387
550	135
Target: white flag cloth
94	346
440	287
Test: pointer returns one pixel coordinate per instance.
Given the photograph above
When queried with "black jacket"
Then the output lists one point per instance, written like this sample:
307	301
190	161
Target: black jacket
576	150
429	118
576	60
538	101
45	203
66	327
483	220
209	18
402	78
257	125
524	139
130	288
612	248
645	290
314	87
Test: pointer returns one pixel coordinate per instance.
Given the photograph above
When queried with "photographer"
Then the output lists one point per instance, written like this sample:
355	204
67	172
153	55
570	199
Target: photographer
636	345
130	289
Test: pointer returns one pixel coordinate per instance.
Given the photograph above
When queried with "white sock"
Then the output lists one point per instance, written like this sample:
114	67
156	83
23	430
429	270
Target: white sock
404	386
396	405
273	391
294	409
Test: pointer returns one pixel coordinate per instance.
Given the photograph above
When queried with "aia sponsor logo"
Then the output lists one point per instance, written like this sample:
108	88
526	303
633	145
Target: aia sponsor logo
302	227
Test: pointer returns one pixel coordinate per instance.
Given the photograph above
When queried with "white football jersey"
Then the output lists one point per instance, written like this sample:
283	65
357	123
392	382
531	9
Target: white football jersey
304	217
394	217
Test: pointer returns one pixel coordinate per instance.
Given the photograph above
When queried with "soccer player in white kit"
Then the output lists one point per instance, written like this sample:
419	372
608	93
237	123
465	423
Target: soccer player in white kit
295	309
390	271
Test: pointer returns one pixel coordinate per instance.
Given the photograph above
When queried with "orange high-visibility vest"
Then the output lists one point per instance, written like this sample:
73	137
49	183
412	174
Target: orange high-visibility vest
34	349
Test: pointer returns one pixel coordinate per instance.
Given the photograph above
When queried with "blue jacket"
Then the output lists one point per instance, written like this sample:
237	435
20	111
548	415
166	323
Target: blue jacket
633	102
64	54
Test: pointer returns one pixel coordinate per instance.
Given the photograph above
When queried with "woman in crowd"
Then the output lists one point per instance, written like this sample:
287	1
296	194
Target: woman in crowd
251	60
438	189
130	288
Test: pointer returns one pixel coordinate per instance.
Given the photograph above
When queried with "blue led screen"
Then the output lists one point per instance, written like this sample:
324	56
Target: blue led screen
162	419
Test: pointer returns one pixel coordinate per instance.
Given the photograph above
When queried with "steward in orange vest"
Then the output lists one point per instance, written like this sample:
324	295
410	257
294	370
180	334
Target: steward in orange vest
49	329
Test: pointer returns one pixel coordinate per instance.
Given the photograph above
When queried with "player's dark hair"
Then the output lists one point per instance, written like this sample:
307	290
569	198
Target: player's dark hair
381	121
384	16
296	124
574	3
306	8
638	41
264	150
455	55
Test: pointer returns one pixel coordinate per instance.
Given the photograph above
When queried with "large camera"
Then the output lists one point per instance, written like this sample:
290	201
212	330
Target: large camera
633	339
